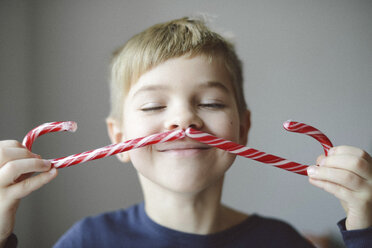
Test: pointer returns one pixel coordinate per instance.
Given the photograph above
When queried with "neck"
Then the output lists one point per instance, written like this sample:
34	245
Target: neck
198	212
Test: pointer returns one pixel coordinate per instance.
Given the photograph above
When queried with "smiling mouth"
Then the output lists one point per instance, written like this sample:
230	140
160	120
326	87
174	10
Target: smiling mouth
184	151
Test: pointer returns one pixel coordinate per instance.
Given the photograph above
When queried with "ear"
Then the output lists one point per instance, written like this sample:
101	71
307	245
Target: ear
245	125
116	136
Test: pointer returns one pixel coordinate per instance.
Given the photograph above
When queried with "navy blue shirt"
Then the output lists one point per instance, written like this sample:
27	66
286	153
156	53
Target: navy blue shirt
133	228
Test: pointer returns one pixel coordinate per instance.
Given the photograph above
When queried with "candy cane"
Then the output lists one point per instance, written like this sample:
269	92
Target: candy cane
100	152
263	157
298	127
178	134
49	127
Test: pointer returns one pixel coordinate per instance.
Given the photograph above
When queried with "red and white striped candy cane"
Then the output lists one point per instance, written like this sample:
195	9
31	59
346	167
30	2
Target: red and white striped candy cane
174	135
262	156
100	152
49	127
298	127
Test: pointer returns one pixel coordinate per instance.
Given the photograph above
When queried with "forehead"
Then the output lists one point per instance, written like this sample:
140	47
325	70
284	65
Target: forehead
198	71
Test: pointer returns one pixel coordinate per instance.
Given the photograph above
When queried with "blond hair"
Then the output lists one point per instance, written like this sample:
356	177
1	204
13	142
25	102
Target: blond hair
185	36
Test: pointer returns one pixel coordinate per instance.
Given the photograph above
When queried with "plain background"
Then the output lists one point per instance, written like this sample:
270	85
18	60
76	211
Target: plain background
309	61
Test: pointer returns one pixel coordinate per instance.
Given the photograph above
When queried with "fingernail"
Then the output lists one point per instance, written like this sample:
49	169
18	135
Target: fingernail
35	155
53	171
46	163
311	170
322	162
331	151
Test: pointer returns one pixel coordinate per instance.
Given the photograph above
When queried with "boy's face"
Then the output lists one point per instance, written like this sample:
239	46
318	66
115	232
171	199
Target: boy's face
177	94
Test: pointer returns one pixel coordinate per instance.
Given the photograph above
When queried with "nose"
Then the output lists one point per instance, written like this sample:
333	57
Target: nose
183	118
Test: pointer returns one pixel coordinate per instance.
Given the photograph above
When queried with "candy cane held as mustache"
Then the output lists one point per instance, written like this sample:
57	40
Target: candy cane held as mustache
263	157
96	153
174	135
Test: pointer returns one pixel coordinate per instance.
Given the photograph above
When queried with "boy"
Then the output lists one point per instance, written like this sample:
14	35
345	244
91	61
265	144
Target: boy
172	76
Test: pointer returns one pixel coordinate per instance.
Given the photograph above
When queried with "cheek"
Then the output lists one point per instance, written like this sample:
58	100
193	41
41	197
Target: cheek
232	131
143	161
226	127
140	157
135	126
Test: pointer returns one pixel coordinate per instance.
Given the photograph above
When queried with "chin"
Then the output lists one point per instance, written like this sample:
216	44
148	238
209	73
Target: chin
184	176
190	185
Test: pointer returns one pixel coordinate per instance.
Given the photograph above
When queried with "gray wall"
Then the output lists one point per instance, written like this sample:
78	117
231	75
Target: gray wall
304	60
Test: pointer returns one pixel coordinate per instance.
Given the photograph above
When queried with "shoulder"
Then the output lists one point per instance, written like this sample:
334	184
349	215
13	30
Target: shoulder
93	229
273	225
103	221
256	223
274	232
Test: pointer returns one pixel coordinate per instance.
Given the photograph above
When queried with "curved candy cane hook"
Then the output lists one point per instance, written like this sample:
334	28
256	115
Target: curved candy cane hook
298	127
50	127
96	153
263	157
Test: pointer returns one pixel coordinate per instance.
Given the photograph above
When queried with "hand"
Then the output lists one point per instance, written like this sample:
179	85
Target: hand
347	173
17	165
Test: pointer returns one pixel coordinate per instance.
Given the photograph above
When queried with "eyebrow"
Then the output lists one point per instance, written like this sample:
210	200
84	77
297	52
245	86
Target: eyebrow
155	87
206	85
215	84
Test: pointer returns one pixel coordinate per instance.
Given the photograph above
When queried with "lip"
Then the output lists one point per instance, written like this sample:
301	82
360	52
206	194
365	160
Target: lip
184	152
183	149
182	146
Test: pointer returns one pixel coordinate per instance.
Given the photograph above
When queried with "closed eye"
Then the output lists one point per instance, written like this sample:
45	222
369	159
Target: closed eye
150	109
212	105
152	106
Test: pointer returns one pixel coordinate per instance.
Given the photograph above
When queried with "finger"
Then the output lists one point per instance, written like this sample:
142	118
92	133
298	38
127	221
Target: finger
320	158
342	177
23	177
13	153
11	171
351	163
10	143
337	190
25	187
351	150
